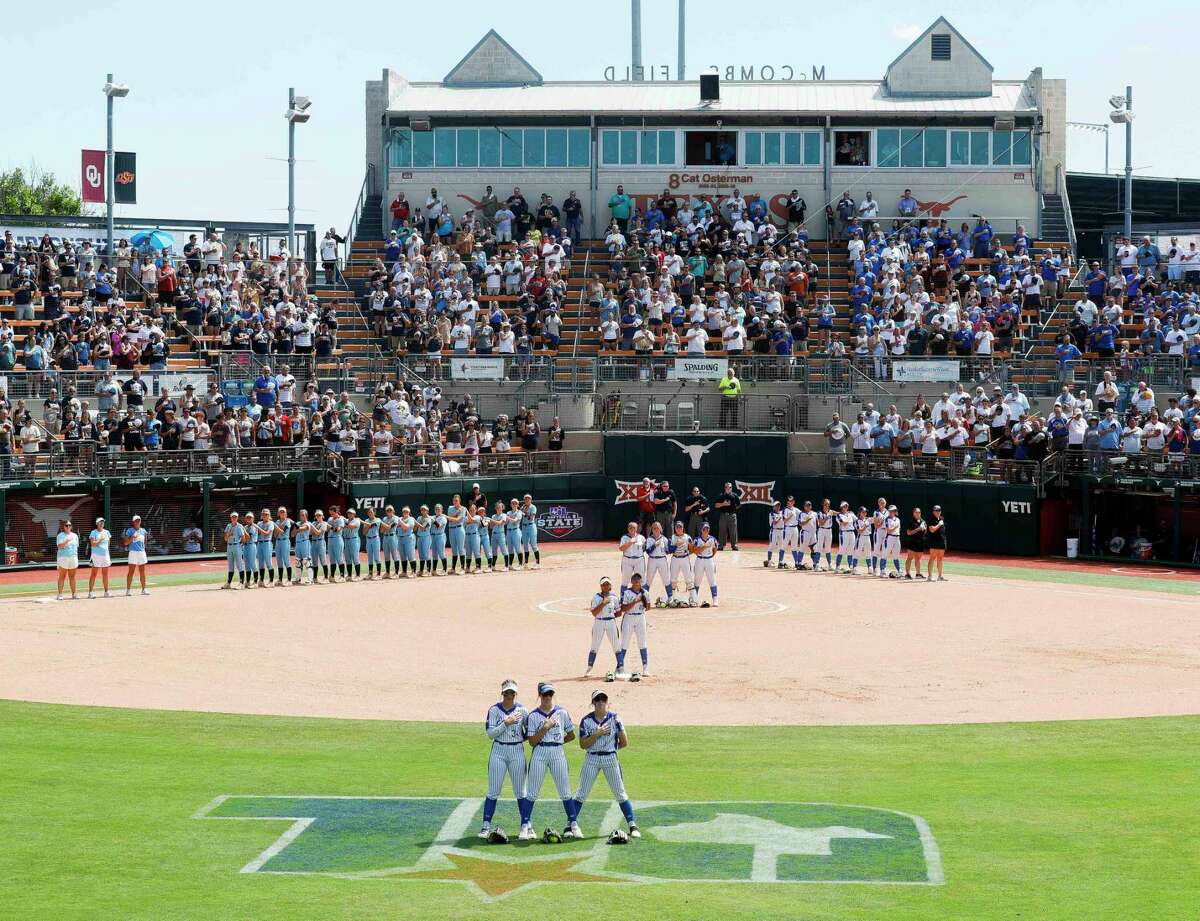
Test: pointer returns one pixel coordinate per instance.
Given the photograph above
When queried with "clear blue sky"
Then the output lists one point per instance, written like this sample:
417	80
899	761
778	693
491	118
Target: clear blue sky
209	82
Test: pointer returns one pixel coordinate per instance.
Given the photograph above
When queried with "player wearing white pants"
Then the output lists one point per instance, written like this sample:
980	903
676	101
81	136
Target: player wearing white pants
634	601
808	536
633	554
791	533
845	523
862	542
601	735
680	548
547	729
604	622
658	549
505	726
704	548
774	533
879	534
824	539
891	543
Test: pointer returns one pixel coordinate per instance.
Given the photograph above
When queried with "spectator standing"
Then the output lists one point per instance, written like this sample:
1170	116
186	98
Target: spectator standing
620	206
836	433
572	210
730	388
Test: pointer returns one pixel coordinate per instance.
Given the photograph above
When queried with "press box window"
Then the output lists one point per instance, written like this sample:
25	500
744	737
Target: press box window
852	148
710	148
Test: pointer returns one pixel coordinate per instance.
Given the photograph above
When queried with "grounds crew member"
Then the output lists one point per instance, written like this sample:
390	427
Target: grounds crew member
727	505
731	389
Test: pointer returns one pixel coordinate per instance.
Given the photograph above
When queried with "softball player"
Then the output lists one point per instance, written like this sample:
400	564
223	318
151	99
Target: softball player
424	543
657	563
808	535
529	532
282	539
633	554
264	537
303	545
602	735
499	536
318	536
250	574
370	533
389	536
704	548
845	523
99	558
634	601
337	544
512	534
605	612
233	551
504	725
824	542
486	554
135	538
774	533
681	564
862	542
891	543
352	538
547	729
455	516
405	531
471	532
879	536
437	535
791	534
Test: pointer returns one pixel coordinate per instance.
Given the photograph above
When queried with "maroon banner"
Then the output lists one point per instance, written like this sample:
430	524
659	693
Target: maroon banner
91	176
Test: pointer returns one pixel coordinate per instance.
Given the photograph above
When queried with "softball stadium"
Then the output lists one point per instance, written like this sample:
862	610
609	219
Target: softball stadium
690	499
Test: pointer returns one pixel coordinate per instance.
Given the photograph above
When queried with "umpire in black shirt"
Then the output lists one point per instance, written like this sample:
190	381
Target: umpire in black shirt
727	506
695	508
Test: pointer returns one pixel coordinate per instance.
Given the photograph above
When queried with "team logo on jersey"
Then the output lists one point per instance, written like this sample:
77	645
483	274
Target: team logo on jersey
559	521
767	843
695	452
755	493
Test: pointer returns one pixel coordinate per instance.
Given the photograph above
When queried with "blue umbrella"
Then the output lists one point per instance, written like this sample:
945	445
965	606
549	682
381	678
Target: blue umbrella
153	239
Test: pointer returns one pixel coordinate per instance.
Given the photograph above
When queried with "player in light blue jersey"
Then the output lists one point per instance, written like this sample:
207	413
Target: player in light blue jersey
352	539
99	557
371	538
283	545
249	551
389	535
405	530
499	536
486	553
264	537
512	534
320	546
456	517
437	534
547	729
337	545
505	726
601	736
424	543
471	541
303	532
529	532
135	540
232	535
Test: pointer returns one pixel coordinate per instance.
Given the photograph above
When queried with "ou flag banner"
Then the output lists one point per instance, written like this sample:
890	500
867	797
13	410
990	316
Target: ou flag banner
91	175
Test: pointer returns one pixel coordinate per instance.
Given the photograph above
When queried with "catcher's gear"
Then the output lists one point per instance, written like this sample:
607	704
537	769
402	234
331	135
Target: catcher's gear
550	836
618	836
498	836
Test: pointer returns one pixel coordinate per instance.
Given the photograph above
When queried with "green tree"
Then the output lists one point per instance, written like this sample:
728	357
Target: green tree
37	193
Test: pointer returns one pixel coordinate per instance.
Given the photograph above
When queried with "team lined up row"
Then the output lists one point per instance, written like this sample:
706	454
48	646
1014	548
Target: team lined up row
261	552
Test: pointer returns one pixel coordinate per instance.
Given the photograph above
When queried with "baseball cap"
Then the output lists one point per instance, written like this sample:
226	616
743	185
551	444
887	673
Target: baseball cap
937	508
508	685
605	580
545	687
136	518
599	692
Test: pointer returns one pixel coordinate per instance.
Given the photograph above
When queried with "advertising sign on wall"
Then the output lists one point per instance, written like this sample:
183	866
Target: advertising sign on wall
477	369
698	369
932	370
571	521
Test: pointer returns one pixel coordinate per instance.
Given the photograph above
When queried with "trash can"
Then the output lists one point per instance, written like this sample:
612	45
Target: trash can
1072	547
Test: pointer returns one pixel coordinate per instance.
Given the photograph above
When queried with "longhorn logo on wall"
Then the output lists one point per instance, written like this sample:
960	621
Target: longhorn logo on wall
559	521
755	493
695	452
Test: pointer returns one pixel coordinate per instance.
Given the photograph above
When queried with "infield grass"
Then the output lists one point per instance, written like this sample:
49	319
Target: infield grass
1077	821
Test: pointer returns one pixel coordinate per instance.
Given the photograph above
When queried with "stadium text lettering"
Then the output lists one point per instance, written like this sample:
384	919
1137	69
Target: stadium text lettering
1018	508
745	73
720	180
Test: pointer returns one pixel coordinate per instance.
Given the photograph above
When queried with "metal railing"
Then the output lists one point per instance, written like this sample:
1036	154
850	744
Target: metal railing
29	385
421	461
494	367
688	412
1060	182
365	191
971	463
1156	465
85	460
587	260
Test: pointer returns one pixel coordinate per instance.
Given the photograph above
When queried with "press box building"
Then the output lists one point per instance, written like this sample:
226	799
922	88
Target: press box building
938	123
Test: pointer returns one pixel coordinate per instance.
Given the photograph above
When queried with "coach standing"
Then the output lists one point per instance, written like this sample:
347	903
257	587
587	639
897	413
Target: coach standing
727	506
665	506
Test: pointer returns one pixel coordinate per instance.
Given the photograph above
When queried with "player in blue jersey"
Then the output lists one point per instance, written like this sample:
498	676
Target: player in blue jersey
371	539
264	540
512	534
232	535
529	542
337	544
303	532
456	517
437	535
704	549
249	551
658	551
424	542
135	539
634	601
389	535
486	554
99	557
471	539
547	729
499	536
605	608
680	548
283	545
405	529
601	736
319	535
505	726
352	540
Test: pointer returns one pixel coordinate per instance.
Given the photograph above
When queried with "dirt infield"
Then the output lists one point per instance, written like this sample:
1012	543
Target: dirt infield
783	648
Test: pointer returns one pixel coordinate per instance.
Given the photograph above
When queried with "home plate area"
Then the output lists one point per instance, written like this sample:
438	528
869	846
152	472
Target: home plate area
694	842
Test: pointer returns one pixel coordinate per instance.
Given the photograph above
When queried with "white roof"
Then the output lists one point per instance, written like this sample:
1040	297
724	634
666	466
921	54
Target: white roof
622	98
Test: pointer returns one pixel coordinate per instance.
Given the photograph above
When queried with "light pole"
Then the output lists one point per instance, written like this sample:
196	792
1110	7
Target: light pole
1122	113
1098	127
297	114
111	91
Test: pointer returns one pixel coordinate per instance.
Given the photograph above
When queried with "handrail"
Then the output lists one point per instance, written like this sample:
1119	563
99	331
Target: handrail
366	190
587	258
1060	180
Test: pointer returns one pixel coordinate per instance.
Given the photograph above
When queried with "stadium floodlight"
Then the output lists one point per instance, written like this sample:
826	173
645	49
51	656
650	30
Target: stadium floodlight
1121	117
111	91
297	114
1122	114
115	90
1117	102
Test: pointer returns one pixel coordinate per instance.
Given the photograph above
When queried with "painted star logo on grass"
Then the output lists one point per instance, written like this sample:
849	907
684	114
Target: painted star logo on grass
497	878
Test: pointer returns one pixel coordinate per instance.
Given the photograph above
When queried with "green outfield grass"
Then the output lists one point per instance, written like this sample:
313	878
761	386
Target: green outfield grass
1057	821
